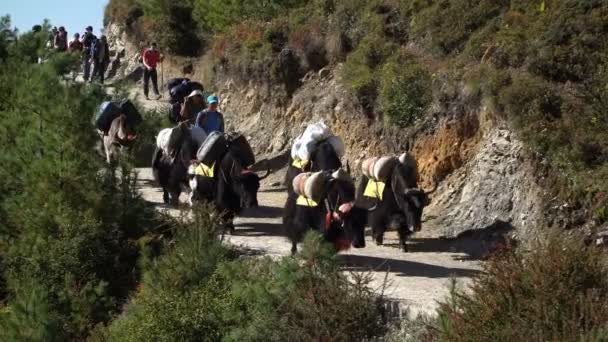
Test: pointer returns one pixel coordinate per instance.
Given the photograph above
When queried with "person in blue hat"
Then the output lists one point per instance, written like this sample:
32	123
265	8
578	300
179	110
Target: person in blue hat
210	119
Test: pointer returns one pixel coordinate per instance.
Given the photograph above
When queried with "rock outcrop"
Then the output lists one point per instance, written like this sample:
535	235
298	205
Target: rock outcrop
483	169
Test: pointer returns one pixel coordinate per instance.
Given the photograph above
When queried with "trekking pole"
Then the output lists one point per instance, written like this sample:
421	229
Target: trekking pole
162	78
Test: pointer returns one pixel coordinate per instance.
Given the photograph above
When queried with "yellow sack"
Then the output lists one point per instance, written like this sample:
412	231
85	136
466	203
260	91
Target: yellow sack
300	164
305	202
204	170
374	189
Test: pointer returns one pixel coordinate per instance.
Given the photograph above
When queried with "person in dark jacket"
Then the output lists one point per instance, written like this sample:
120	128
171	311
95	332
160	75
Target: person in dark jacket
100	57
193	104
210	119
61	40
87	39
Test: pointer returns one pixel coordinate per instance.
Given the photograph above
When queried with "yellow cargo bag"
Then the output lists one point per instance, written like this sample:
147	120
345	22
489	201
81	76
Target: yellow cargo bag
374	189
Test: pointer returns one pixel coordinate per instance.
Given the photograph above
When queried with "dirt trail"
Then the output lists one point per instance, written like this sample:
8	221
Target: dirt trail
416	279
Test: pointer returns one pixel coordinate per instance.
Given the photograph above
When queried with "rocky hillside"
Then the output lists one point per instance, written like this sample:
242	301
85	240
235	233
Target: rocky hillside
483	115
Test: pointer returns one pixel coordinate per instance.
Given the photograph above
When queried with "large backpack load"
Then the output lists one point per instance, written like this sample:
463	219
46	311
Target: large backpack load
314	134
175	82
378	169
310	185
133	117
179	92
170	139
214	147
108	111
242	150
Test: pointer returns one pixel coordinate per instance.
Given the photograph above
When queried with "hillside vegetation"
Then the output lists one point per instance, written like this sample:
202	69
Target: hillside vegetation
540	65
83	257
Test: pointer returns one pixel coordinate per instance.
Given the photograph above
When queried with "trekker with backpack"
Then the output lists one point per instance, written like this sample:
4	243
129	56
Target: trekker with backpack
88	39
193	104
150	58
100	55
210	119
75	45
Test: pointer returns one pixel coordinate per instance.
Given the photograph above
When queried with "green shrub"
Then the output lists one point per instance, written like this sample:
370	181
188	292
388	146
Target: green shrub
29	318
557	290
67	221
174	26
300	299
446	26
218	15
405	92
360	70
199	291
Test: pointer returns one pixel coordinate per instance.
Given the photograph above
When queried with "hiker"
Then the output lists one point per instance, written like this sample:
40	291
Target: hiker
150	59
61	40
100	56
210	120
87	39
75	45
51	42
193	104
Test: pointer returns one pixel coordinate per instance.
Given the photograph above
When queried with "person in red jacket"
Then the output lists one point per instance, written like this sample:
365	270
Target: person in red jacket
150	57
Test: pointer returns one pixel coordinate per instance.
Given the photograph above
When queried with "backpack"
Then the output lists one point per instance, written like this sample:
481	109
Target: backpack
174	82
89	40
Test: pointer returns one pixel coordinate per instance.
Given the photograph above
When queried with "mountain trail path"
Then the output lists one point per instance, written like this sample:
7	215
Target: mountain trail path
415	280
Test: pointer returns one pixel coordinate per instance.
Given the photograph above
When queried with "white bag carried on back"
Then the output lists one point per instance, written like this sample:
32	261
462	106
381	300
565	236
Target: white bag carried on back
162	140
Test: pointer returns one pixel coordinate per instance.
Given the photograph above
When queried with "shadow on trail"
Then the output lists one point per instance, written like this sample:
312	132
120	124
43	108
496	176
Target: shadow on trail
273	190
401	268
262	211
255	229
474	244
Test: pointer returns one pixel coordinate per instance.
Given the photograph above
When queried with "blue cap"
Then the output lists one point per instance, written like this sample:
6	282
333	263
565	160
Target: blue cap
213	99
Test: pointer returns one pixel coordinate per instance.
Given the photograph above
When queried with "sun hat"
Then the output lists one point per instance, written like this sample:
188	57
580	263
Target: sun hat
196	93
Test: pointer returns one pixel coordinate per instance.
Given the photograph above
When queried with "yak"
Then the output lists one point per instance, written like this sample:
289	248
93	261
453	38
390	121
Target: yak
401	205
334	216
171	171
119	136
232	188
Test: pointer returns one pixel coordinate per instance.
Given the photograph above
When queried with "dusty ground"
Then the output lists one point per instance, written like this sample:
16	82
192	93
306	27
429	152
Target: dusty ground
417	279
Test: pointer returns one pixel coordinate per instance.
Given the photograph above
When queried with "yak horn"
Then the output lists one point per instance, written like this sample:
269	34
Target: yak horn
266	175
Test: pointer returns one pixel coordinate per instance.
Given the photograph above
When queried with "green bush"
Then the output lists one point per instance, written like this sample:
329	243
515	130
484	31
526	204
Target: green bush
557	290
218	15
173	25
362	65
198	290
405	92
67	221
446	26
29	318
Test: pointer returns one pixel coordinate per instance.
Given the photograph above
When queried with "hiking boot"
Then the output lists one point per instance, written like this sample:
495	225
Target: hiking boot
158	96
